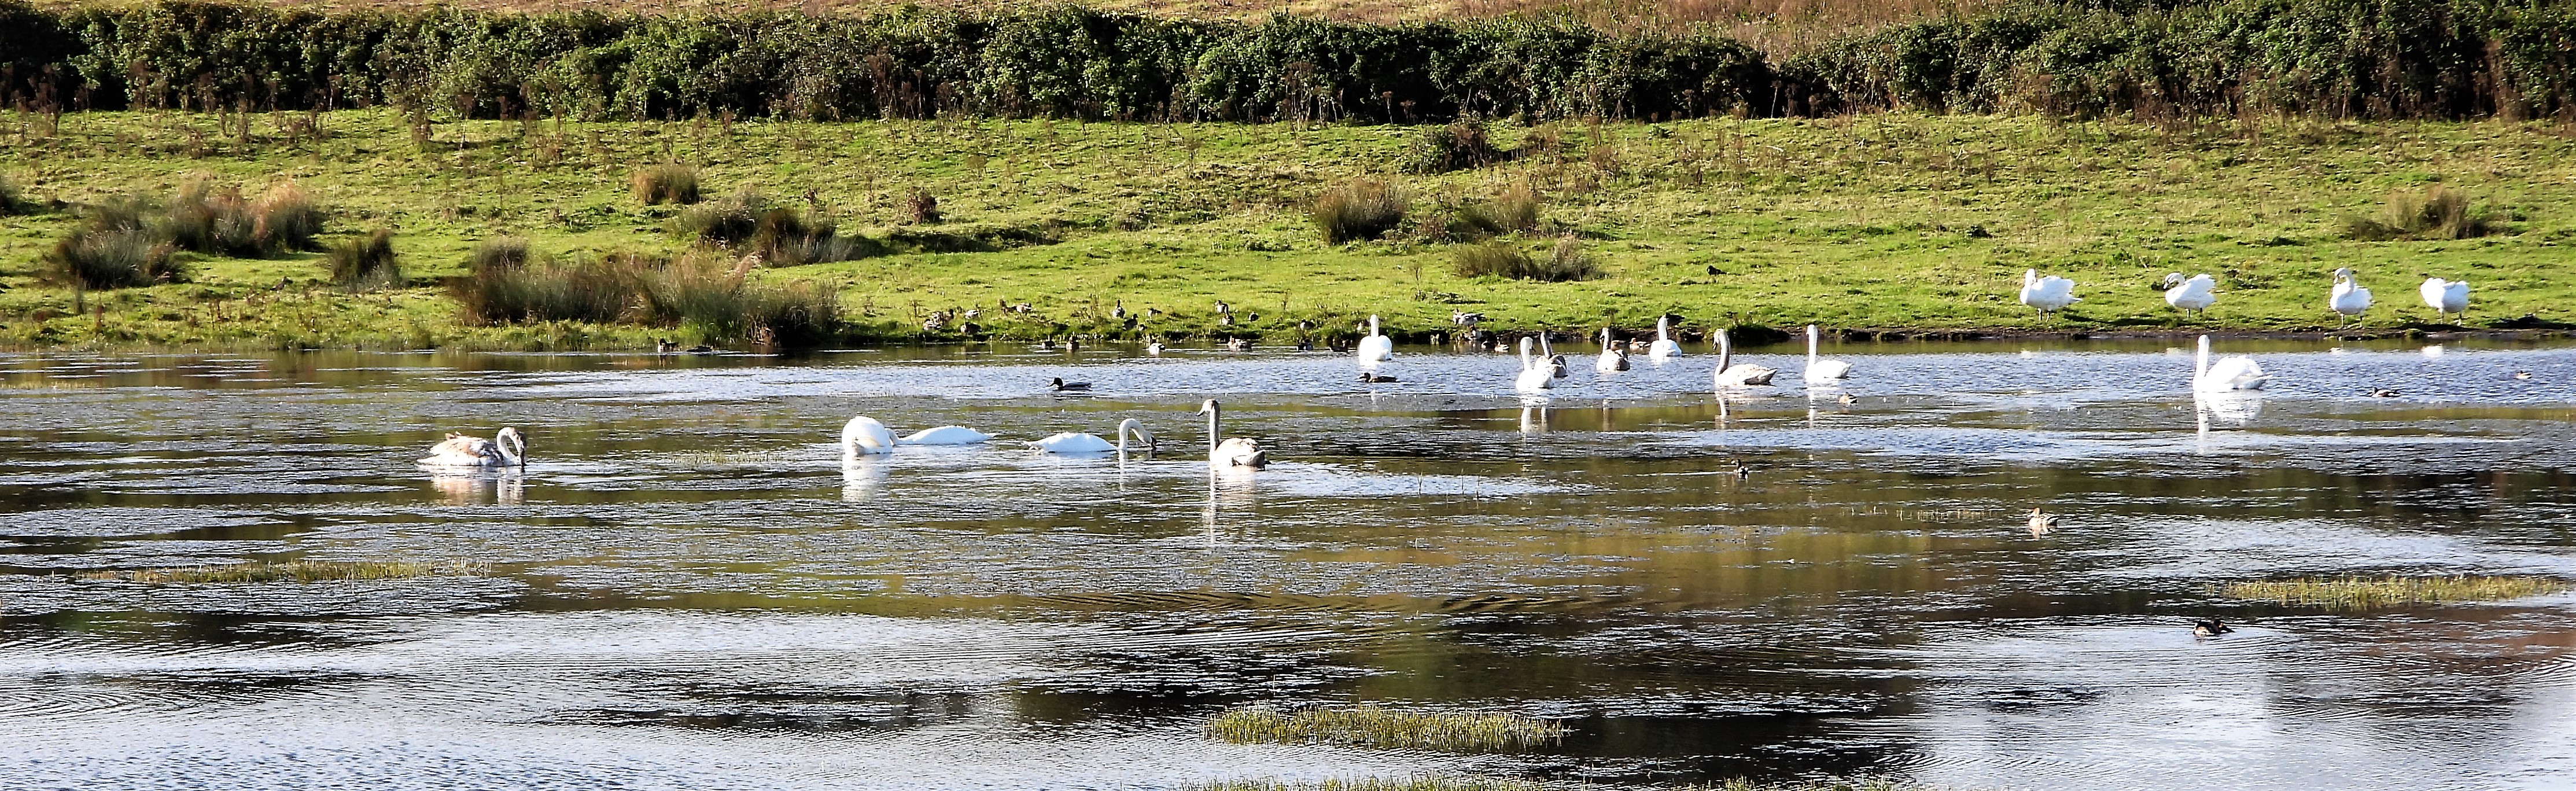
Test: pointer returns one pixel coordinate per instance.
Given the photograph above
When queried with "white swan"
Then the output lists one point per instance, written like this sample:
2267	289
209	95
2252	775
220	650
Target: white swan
1612	358
2229	374
864	436
504	449
1729	374
2347	298
2445	296
1154	347
1376	347
1231	451
1822	371
944	435
1664	345
2048	294
2195	294
1074	443
1537	373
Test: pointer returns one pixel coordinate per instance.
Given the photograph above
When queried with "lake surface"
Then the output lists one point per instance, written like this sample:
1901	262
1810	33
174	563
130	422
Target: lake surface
689	589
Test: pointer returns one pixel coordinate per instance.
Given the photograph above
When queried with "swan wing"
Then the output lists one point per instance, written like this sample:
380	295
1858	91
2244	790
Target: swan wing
2234	373
1240	452
1535	379
1377	347
1745	376
1070	442
945	435
1828	370
463	451
1664	348
2435	291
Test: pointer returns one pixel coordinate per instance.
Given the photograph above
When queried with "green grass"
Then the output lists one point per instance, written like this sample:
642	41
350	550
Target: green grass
2362	593
1877	221
1377	726
290	571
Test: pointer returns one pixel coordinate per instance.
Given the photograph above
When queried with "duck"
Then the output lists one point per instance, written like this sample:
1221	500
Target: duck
2048	294
2347	299
1729	374
2195	294
1742	472
1060	385
2382	392
2445	296
2522	374
1371	378
1612	359
1237	345
1154	347
1847	399
702	349
2041	522
2209	627
665	346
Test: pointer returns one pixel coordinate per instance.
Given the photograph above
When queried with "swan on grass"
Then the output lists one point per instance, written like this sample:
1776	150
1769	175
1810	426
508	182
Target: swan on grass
1376	347
2445	296
1820	370
2347	299
2195	294
2049	294
1731	375
2227	375
1537	372
1230	451
1612	357
504	449
1664	344
1071	443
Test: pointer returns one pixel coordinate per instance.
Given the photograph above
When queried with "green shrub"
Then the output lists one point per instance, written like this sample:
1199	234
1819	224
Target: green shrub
726	221
2439	213
1515	209
1457	146
700	294
673	183
540	288
110	254
1360	209
1566	261
785	237
366	263
497	254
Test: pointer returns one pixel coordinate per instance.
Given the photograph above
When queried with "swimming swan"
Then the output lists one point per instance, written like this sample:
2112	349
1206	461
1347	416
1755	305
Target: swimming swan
1731	375
1822	371
944	435
2048	294
2445	296
504	449
1664	345
1612	358
1231	451
2195	295
2235	372
2347	298
1074	443
1376	347
864	436
1537	373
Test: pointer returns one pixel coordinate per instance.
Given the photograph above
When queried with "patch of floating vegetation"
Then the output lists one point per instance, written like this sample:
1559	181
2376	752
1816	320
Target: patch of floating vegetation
1469	783
1377	726
291	571
2361	593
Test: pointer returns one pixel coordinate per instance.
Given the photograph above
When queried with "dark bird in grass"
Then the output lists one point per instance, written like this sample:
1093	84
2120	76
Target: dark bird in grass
1306	325
1061	385
1375	379
1712	269
1305	345
2209	628
1120	311
2382	392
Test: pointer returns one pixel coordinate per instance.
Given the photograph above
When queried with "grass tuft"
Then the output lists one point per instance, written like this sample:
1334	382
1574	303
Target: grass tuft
210	219
1377	726
923	206
1361	208
1515	209
503	288
2439	213
671	183
366	263
2361	593
700	294
112	249
292	571
1565	262
1456	146
13	200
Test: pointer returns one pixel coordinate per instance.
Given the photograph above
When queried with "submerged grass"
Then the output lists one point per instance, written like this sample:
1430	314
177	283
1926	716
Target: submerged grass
293	571
2361	593
1378	726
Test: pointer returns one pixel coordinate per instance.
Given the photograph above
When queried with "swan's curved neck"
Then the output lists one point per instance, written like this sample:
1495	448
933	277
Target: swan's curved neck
1663	329
1212	432
2200	362
1725	351
1811	343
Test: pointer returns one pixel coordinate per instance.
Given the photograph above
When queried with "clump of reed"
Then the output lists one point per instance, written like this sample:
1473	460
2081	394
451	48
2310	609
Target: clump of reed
113	248
2362	593
1564	262
366	263
923	206
292	571
1377	726
1360	209
210	219
13	200
701	295
2438	213
669	183
1459	145
1515	209
780	235
506	283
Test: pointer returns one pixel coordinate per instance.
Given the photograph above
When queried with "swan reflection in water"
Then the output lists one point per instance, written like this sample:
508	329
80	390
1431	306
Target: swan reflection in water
503	487
1534	416
862	479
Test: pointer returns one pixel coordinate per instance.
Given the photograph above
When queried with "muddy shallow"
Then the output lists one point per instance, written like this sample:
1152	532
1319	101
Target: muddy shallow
690	589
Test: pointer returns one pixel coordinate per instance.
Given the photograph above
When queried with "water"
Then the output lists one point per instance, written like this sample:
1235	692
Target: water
689	589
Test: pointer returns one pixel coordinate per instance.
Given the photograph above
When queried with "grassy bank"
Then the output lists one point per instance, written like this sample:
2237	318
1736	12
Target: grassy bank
1879	221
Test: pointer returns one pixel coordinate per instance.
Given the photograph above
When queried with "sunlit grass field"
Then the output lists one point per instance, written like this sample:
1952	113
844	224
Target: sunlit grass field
1887	221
